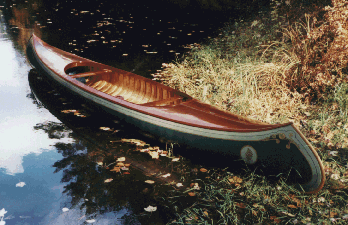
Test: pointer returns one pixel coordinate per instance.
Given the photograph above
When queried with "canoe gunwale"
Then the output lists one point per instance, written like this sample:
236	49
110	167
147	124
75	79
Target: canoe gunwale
156	111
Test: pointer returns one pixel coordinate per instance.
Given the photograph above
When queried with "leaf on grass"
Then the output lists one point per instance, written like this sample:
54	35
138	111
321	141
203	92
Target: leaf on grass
240	205
275	219
292	206
191	193
288	214
333	214
206	213
235	180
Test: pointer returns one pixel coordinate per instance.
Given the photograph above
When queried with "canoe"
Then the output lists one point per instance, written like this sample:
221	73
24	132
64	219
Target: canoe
174	116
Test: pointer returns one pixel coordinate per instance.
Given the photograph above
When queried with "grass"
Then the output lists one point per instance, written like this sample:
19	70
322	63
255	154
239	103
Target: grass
275	69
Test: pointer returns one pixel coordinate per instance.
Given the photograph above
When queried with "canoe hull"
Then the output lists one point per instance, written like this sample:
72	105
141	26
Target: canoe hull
280	148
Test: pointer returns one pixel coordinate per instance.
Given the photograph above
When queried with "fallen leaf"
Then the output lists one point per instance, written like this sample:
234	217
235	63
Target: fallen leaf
191	193
333	214
149	181
203	170
240	205
166	175
116	169
206	213
20	184
235	180
150	208
121	159
288	214
120	164
90	221
108	180
175	159
126	173
179	185
292	206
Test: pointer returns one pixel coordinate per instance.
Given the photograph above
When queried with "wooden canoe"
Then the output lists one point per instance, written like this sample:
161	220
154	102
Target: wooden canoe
175	116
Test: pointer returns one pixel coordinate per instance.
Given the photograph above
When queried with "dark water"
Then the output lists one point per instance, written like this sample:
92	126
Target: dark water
55	151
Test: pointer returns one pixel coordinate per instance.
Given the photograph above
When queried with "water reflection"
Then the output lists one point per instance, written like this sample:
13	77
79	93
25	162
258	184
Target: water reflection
103	172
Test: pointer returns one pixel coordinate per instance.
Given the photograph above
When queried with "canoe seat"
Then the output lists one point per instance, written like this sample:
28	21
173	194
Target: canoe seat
168	101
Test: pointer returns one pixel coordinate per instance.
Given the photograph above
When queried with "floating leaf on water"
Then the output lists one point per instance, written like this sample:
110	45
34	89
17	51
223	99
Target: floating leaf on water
90	221
105	128
154	154
121	159
203	170
20	184
116	169
166	175
179	185
150	181
65	209
150	208
108	180
3	212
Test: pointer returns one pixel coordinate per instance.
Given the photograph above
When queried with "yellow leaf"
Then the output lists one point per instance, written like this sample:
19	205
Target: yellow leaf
235	180
292	206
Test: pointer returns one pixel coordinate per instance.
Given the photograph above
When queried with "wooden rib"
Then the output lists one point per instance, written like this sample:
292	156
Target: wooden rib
163	102
131	90
136	94
119	84
88	74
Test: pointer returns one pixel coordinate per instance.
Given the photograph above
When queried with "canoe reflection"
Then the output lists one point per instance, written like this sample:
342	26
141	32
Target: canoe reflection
105	170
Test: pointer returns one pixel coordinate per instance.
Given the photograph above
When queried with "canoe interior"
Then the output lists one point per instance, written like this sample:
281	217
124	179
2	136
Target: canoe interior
125	85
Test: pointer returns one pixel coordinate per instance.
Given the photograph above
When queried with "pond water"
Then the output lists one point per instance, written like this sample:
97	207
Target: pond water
60	161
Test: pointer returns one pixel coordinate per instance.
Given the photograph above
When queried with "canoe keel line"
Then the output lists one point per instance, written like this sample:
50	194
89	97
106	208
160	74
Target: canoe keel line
167	113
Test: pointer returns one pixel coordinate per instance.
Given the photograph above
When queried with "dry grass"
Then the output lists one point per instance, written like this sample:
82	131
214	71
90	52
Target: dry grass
276	69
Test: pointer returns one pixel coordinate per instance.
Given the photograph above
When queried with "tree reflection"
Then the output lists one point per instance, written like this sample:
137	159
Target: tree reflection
86	161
